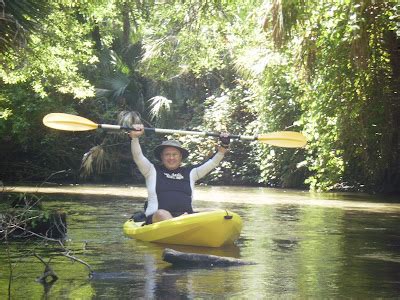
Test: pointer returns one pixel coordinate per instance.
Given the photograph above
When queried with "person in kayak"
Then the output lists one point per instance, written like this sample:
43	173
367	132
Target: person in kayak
170	185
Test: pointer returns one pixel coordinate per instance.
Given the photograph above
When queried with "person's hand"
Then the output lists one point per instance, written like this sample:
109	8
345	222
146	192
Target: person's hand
224	139
137	132
224	142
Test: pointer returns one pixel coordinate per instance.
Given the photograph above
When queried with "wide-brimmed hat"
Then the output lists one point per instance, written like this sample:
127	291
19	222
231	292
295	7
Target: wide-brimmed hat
170	143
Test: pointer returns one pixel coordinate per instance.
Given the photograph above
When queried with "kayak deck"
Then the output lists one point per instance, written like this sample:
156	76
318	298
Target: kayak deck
209	229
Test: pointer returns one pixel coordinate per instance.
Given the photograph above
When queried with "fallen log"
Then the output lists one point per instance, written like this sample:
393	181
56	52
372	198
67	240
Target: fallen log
183	259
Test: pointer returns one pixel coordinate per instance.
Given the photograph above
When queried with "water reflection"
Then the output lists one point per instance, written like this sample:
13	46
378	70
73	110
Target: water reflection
346	248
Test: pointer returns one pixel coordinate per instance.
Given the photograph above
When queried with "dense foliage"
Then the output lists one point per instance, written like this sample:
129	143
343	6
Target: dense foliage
327	68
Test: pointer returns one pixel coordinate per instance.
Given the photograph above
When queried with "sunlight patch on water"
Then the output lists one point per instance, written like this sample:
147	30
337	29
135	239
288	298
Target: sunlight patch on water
249	195
381	256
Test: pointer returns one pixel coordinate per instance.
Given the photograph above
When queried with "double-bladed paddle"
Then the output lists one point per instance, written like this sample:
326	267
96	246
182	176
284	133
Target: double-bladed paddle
61	121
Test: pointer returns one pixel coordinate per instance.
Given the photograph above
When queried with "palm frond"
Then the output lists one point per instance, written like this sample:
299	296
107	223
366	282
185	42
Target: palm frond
118	62
252	62
153	48
17	18
118	85
102	93
93	161
128	118
159	107
113	87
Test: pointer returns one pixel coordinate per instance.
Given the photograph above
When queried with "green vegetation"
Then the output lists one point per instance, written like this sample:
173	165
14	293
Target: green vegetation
327	68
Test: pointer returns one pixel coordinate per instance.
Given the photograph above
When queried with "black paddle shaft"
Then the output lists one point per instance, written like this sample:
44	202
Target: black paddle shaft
188	132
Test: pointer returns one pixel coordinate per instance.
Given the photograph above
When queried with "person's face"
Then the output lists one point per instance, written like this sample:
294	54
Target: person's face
171	158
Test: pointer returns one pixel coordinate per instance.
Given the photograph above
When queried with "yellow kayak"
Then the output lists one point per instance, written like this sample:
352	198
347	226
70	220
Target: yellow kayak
209	229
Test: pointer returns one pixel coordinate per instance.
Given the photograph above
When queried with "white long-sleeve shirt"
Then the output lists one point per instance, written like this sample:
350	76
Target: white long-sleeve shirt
170	189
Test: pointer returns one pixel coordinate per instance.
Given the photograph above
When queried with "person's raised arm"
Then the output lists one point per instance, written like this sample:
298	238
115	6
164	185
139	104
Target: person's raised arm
141	161
206	168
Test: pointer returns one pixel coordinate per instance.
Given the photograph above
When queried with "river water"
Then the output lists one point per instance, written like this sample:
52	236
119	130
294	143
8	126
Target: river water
304	245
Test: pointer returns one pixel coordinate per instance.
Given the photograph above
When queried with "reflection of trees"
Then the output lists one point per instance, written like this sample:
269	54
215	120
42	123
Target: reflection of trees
371	256
173	283
298	250
320	251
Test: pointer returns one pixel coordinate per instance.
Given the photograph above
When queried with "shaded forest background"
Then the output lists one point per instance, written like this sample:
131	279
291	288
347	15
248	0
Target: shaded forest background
330	69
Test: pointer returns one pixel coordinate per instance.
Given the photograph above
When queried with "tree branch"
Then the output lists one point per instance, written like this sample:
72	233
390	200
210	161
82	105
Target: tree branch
66	254
48	271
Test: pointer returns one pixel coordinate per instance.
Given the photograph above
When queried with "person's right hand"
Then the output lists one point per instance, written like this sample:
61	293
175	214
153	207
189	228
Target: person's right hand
137	132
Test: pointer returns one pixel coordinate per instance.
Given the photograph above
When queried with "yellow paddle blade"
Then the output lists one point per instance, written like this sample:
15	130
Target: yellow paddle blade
68	122
288	139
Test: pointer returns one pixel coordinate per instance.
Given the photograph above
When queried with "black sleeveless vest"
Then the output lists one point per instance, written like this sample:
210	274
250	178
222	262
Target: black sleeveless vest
173	190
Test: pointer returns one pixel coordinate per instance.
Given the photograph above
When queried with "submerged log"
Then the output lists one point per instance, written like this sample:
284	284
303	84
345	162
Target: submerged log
183	259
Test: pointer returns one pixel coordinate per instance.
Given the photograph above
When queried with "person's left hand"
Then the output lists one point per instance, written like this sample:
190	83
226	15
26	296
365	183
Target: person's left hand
224	142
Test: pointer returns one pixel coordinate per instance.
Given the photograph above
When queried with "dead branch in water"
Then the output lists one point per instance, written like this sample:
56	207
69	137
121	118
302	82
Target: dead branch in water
66	254
48	271
16	223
